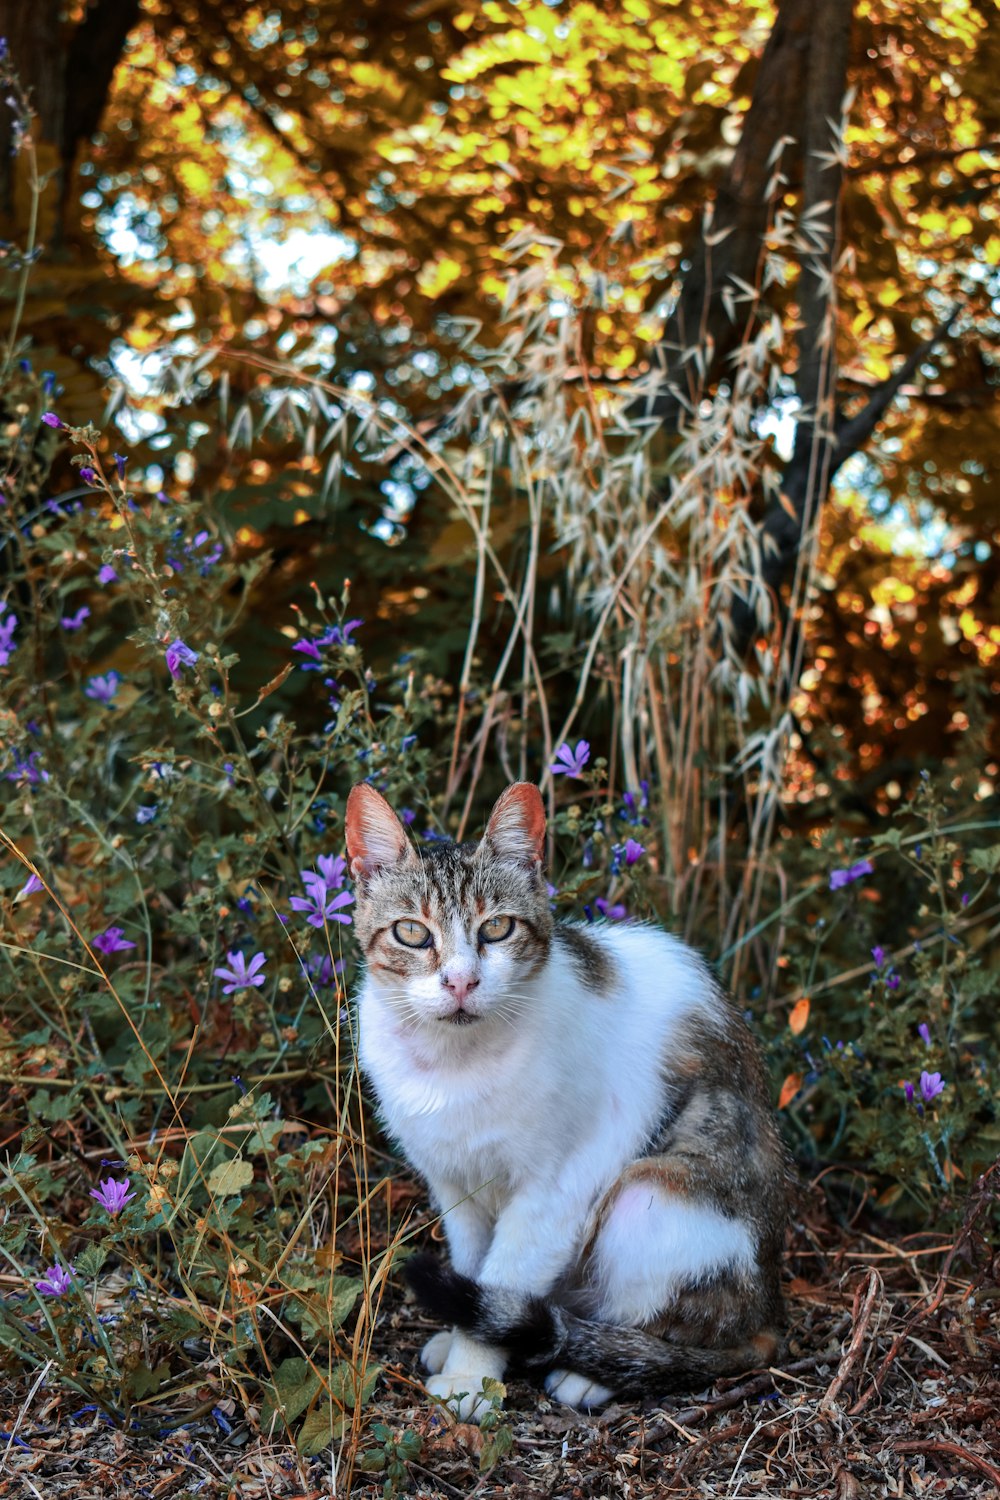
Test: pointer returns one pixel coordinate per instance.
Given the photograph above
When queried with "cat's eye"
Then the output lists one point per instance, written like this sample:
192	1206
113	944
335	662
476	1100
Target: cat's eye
411	934
496	929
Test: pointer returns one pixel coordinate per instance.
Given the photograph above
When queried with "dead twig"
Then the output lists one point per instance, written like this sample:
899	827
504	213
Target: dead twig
861	1316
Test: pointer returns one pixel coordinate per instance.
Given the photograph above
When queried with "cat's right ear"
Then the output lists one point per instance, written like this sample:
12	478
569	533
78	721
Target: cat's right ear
376	839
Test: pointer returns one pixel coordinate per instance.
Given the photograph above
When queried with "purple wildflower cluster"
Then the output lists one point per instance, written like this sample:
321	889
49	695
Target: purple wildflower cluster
112	1197
319	903
890	978
191	552
313	646
636	805
930	1086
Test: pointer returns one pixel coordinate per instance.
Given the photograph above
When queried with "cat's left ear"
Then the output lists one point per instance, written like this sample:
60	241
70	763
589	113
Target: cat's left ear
516	830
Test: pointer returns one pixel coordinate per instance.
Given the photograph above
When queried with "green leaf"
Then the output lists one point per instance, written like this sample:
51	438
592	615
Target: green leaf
230	1177
90	1261
295	1385
142	1381
986	859
319	1429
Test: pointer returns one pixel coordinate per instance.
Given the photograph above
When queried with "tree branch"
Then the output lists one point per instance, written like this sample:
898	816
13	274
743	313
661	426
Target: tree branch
853	432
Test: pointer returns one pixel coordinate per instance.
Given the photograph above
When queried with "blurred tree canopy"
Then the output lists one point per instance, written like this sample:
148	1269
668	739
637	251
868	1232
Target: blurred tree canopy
342	185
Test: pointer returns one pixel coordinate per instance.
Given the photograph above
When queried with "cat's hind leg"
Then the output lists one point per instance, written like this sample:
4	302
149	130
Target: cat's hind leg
657	1242
657	1250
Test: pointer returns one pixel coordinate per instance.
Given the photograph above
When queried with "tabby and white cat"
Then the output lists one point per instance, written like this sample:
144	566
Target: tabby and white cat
588	1109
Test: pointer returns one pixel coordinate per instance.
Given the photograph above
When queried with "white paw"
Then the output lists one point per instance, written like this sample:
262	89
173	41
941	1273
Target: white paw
463	1393
435	1352
576	1390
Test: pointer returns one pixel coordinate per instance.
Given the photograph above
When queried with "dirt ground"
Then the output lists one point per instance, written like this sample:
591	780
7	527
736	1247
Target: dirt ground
889	1386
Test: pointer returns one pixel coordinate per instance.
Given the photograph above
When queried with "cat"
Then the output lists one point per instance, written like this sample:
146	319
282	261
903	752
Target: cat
588	1109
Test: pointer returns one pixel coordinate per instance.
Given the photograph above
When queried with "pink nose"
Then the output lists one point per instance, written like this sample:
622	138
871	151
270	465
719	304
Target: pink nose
459	985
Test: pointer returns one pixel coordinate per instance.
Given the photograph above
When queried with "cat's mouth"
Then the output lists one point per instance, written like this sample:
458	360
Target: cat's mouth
459	1018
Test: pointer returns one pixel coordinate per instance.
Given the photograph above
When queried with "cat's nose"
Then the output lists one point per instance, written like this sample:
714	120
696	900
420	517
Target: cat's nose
459	985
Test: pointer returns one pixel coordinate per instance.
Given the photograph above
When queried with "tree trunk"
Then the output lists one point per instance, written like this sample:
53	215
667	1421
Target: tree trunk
741	214
33	34
67	77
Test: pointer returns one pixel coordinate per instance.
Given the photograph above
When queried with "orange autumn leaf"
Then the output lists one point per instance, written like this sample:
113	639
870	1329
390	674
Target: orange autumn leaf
789	1089
799	1017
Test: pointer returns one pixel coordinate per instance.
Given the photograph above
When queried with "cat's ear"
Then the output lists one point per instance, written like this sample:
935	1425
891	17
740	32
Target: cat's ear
376	839
516	830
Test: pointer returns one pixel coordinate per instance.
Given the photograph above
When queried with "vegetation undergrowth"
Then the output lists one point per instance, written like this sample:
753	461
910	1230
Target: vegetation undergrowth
194	1208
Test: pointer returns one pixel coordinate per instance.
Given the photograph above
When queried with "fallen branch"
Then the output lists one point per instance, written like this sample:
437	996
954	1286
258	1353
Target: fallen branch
954	1450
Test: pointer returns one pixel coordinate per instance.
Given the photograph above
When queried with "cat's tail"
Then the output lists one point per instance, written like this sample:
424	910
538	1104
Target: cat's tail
539	1335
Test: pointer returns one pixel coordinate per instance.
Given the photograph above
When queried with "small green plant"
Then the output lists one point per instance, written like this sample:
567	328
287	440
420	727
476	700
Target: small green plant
498	1439
392	1457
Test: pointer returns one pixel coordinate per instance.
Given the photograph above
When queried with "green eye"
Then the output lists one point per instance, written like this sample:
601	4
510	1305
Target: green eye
496	929
411	934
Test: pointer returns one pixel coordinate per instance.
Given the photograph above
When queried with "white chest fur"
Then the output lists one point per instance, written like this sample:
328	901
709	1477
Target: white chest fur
571	1087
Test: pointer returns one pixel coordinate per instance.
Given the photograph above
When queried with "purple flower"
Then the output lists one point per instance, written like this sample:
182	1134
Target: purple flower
892	981
51	420
909	1091
107	574
26	768
340	635
878	954
242	975
73	622
55	1283
121	460
633	851
322	970
146	814
87	475
924	1032
615	913
30	887
333	869
113	1195
7	646
408	815
112	941
571	762
178	655
316	907
309	648
931	1084
102	689
854	872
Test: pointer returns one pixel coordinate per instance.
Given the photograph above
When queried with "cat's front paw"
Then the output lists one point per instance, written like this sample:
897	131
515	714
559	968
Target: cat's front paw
434	1354
576	1390
463	1393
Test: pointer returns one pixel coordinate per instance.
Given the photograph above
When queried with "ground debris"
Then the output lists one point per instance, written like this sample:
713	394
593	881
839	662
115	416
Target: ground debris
889	1386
